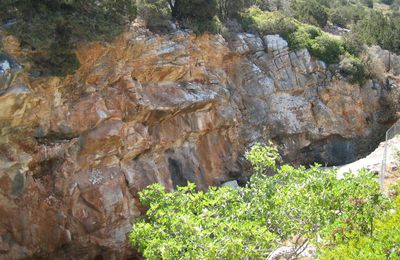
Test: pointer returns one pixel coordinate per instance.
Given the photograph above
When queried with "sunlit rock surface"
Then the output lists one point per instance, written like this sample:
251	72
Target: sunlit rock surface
176	108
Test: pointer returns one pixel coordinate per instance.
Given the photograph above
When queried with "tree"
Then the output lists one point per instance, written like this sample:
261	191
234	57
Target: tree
195	9
154	12
345	15
199	15
387	2
369	3
52	28
230	8
310	11
271	5
377	28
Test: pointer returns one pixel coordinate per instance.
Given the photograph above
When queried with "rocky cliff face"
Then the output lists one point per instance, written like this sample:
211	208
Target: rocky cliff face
149	108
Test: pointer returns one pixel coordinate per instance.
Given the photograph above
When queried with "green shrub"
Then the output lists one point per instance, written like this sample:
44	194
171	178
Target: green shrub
384	243
368	3
230	8
200	10
387	2
268	22
154	12
353	44
345	15
379	29
320	45
263	158
250	222
371	29
213	25
339	17
394	190
310	11
354	68
52	29
303	36
189	224
326	48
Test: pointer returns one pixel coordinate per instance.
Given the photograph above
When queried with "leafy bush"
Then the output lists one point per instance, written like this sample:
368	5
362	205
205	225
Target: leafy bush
345	15
213	25
52	28
230	8
310	11
375	68
268	22
190	224
320	45
384	243
250	222
353	45
387	2
313	201
368	3
154	12
201	10
379	29
354	68
263	158
303	37
326	48
394	190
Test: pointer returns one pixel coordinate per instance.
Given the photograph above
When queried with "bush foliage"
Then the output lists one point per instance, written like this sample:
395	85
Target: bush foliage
268	22
299	35
310	11
354	68
379	29
320	45
251	222
52	28
331	49
384	243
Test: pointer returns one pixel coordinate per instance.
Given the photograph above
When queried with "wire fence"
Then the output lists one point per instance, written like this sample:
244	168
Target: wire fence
391	133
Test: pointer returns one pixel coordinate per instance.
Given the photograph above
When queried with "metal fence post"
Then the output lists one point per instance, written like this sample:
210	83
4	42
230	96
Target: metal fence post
391	133
383	168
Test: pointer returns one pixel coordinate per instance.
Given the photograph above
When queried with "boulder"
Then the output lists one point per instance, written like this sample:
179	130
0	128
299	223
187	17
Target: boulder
8	69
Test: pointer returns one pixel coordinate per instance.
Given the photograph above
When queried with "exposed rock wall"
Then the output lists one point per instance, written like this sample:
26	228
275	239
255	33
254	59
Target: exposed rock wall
149	108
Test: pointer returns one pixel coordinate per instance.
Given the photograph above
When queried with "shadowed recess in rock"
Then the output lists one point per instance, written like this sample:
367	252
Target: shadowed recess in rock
175	168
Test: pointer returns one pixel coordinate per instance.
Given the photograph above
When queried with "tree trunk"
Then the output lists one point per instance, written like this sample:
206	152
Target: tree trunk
175	9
